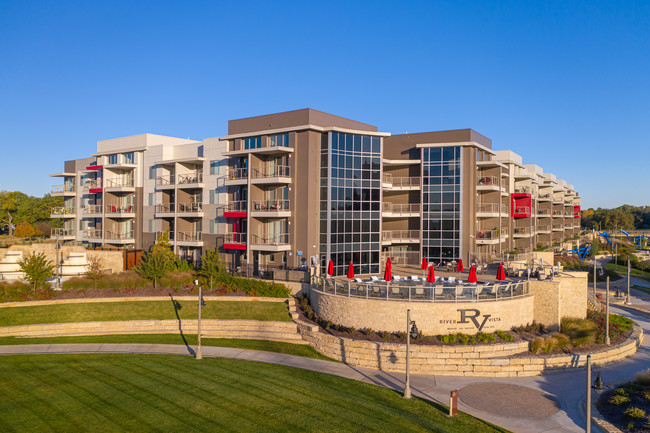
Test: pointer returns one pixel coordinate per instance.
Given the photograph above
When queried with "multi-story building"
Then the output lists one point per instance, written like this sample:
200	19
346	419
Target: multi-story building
282	188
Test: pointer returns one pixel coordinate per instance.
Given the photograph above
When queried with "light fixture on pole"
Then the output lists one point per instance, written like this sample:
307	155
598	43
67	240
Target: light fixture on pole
411	332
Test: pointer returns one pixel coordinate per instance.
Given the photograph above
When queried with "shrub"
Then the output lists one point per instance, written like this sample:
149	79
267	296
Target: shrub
463	338
617	325
550	344
537	345
37	268
579	331
401	335
367	331
563	342
351	330
182	265
635	412
619	400
94	269
505	337
231	283
621	391
642	378
531	328
450	338
384	335
486	338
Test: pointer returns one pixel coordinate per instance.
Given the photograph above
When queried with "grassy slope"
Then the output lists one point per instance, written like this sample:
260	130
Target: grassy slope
635	273
190	339
146	310
111	393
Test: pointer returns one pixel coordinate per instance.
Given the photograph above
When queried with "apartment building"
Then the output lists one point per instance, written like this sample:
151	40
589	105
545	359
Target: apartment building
284	188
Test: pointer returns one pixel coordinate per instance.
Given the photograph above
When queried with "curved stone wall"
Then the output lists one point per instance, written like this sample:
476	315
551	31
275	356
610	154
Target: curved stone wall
432	318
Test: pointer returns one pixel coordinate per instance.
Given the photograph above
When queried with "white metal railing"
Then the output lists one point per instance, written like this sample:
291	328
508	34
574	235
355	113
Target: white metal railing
489	181
400	235
119	183
487	208
402	257
237	206
400	209
165	180
91	208
62	210
543	229
190	207
237	173
522	190
165	208
119	235
92	234
272	171
60	232
119	209
58	189
521	230
546	196
400	182
189	236
235	238
190	179
522	210
488	234
92	184
270	205
557	213
421	291
282	238
558	198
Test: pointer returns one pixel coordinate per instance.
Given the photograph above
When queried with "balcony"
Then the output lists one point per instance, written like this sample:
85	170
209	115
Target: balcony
270	208
489	210
189	238
190	209
119	237
279	242
558	214
558	198
520	204
568	226
544	229
93	235
521	211
237	176
93	186
235	241
266	149
491	237
389	237
92	211
236	209
120	211
192	180
165	182
543	213
521	232
400	183
62	212
62	234
165	210
390	210
63	190
576	211
120	161
544	197
488	183
119	185
271	174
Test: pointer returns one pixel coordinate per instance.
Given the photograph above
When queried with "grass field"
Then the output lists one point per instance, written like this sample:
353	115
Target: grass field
145	310
160	393
622	269
190	339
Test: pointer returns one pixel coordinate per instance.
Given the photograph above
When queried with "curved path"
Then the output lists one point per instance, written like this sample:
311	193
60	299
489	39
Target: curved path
567	390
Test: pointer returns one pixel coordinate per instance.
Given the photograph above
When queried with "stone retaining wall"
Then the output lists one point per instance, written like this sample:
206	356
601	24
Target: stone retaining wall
495	360
210	328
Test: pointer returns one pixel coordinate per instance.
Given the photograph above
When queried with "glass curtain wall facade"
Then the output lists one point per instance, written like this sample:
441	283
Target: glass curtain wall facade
350	197
441	203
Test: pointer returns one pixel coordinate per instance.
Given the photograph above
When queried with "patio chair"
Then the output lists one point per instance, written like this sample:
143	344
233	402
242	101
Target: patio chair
374	278
414	278
397	278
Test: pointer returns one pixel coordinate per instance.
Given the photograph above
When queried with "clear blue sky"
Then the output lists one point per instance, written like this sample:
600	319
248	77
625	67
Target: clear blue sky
564	84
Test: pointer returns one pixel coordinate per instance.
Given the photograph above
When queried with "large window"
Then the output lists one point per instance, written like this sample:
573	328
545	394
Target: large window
351	202
441	203
279	140
129	158
214	167
252	143
112	159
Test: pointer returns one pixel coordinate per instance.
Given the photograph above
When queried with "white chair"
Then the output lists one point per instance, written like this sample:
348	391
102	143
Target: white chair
374	278
397	278
358	280
451	279
414	278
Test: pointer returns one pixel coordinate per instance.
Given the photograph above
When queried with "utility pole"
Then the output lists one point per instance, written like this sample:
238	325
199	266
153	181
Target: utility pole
607	342
407	387
199	355
627	301
588	420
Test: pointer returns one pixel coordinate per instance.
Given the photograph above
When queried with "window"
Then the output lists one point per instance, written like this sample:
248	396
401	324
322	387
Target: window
214	226
152	172
129	158
199	151
214	167
152	226
252	143
214	196
112	159
152	199
279	140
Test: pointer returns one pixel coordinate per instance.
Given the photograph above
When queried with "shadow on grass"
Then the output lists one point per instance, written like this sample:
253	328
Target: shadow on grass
177	306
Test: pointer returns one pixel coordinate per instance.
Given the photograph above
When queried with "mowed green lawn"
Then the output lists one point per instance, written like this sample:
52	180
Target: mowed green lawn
144	310
622	269
163	393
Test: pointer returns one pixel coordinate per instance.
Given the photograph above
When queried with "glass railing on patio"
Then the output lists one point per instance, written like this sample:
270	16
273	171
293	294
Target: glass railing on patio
400	209
165	180
235	238
61	210
237	173
272	171
189	236
119	235
190	179
400	235
488	181
189	207
119	183
165	208
270	206
270	239
92	209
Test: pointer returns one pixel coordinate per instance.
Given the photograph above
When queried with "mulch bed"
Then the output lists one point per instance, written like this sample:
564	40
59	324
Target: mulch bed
616	414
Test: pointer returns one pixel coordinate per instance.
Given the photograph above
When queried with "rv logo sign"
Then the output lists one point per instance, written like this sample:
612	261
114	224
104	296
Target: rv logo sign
469	316
474	316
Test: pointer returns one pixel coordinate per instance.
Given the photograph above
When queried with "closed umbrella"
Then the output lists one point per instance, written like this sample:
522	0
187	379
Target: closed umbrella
388	276
459	268
431	278
472	274
423	266
330	268
350	271
501	274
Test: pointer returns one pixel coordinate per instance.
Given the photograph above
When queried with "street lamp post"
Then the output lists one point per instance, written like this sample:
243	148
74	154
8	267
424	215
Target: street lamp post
588	405
607	314
411	331
199	355
627	301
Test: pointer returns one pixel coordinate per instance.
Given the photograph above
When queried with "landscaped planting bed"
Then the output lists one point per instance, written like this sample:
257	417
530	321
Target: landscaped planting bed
628	406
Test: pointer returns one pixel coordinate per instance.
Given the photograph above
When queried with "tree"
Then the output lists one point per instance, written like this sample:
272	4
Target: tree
211	265
37	268
25	230
94	269
153	266
595	246
164	247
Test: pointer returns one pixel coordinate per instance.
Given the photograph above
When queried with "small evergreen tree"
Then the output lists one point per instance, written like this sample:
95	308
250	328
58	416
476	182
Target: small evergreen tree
211	266
164	247
37	268
94	269
595	247
153	266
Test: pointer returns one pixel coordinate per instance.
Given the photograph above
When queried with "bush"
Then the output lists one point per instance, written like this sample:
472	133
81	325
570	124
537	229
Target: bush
617	325
367	331
401	335
619	400
579	331
642	378
531	328
505	337
537	345
230	283
550	344
486	338
635	412
384	335
563	342
351	330
621	391
451	338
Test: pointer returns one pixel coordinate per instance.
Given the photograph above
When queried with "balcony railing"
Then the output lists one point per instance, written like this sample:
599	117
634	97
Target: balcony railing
400	209
119	235
189	237
237	173
165	208
402	257
521	230
237	206
272	171
59	189
190	179
270	206
488	234
400	235
92	209
62	210
519	210
235	238
119	183
93	184
165	180
401	182
522	190
61	233
119	209
544	196
279	239
488	208
558	213
489	181
543	229
92	234
189	207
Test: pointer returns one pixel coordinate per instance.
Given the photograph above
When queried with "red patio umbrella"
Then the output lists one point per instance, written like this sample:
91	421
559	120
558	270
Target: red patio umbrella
501	274
388	276
423	266
459	268
472	274
350	271
431	278
330	268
